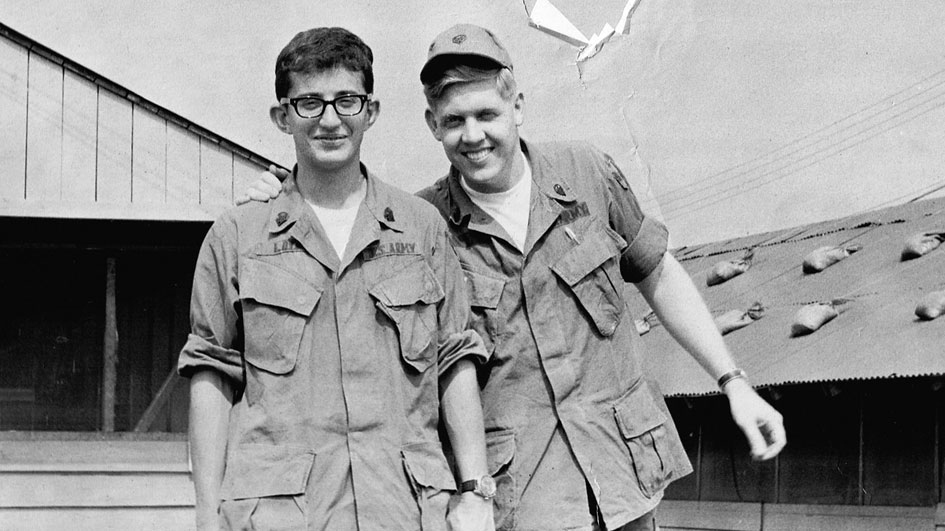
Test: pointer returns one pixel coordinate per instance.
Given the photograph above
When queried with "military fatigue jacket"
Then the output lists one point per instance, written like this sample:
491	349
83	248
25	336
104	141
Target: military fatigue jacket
337	361
570	421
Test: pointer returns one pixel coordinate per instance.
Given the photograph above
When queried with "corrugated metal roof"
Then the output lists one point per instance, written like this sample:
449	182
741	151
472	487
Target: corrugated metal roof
876	335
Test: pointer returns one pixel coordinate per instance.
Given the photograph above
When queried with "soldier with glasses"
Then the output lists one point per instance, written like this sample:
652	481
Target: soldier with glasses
329	335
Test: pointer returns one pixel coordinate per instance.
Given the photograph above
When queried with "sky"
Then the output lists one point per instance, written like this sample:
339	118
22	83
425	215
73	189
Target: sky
729	118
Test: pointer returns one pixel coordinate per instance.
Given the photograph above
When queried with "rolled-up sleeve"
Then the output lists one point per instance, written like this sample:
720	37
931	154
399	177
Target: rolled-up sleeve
214	340
647	238
456	340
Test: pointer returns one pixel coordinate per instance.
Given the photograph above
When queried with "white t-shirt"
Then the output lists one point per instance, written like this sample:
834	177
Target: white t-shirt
508	208
339	222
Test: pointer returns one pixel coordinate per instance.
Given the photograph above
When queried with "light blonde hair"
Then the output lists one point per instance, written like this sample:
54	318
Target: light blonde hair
460	74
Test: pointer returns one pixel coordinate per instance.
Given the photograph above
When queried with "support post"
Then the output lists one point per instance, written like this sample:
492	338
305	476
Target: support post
110	354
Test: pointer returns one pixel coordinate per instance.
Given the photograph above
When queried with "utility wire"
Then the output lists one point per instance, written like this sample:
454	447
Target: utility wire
739	188
668	196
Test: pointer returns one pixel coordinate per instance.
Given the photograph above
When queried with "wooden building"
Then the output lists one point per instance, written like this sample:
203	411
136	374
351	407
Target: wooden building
863	396
104	200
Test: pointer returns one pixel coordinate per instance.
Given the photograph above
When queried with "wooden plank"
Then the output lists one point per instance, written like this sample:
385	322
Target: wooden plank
112	519
216	174
42	489
149	157
847	518
161	399
79	138
183	166
105	468
44	130
678	514
113	181
110	354
14	61
69	455
128	211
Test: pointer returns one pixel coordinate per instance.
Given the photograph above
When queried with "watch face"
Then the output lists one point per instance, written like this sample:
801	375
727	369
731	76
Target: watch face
486	487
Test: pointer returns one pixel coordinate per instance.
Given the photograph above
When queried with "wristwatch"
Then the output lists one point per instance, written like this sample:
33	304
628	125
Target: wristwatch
484	487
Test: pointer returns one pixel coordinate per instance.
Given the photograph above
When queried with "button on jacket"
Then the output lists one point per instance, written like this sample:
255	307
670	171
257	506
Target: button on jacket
568	413
338	361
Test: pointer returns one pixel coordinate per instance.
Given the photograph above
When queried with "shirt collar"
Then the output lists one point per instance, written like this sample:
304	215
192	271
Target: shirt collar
288	207
555	187
552	184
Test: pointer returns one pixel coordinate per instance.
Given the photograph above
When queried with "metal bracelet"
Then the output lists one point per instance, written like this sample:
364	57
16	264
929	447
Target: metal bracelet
733	374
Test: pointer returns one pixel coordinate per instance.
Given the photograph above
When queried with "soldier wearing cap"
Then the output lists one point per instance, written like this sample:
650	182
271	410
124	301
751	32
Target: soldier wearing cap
329	332
547	234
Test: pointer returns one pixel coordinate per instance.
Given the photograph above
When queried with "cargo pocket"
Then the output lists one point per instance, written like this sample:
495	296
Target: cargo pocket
484	295
432	482
500	450
276	305
409	299
264	487
591	271
642	425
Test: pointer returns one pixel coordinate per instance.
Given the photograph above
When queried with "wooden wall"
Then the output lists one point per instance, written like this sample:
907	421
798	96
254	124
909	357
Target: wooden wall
859	443
74	145
94	484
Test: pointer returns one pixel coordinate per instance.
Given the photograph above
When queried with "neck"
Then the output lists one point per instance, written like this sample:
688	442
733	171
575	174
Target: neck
335	188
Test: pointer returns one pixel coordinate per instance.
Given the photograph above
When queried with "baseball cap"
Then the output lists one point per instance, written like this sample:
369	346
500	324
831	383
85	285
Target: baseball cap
463	44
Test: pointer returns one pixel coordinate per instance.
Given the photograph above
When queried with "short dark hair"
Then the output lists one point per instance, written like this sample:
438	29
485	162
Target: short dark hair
320	49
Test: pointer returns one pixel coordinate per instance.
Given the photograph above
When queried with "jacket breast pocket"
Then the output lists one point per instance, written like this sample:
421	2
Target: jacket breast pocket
276	305
485	292
409	298
642	425
591	271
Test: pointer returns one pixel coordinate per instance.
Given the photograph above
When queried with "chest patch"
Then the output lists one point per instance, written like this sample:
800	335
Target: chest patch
390	248
580	210
284	246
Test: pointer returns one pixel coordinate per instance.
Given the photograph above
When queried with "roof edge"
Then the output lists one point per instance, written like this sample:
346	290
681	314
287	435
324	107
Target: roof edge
35	47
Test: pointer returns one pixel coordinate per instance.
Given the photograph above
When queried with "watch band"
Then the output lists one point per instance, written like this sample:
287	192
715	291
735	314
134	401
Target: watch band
467	486
484	487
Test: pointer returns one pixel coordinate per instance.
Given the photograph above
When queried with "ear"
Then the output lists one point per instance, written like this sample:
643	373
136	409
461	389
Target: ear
279	117
373	111
431	123
518	109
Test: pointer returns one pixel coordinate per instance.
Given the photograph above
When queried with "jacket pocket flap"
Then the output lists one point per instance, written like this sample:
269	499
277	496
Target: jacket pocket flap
427	465
598	246
271	285
409	286
500	449
259	470
637	413
484	291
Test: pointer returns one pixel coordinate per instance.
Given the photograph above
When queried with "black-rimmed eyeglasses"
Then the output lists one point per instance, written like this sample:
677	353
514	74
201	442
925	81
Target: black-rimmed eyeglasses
312	107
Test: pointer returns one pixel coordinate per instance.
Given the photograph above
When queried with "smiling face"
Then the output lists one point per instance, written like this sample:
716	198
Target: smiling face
478	129
329	143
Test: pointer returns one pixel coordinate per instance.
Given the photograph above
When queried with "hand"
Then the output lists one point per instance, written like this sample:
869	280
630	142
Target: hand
266	187
762	425
470	512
